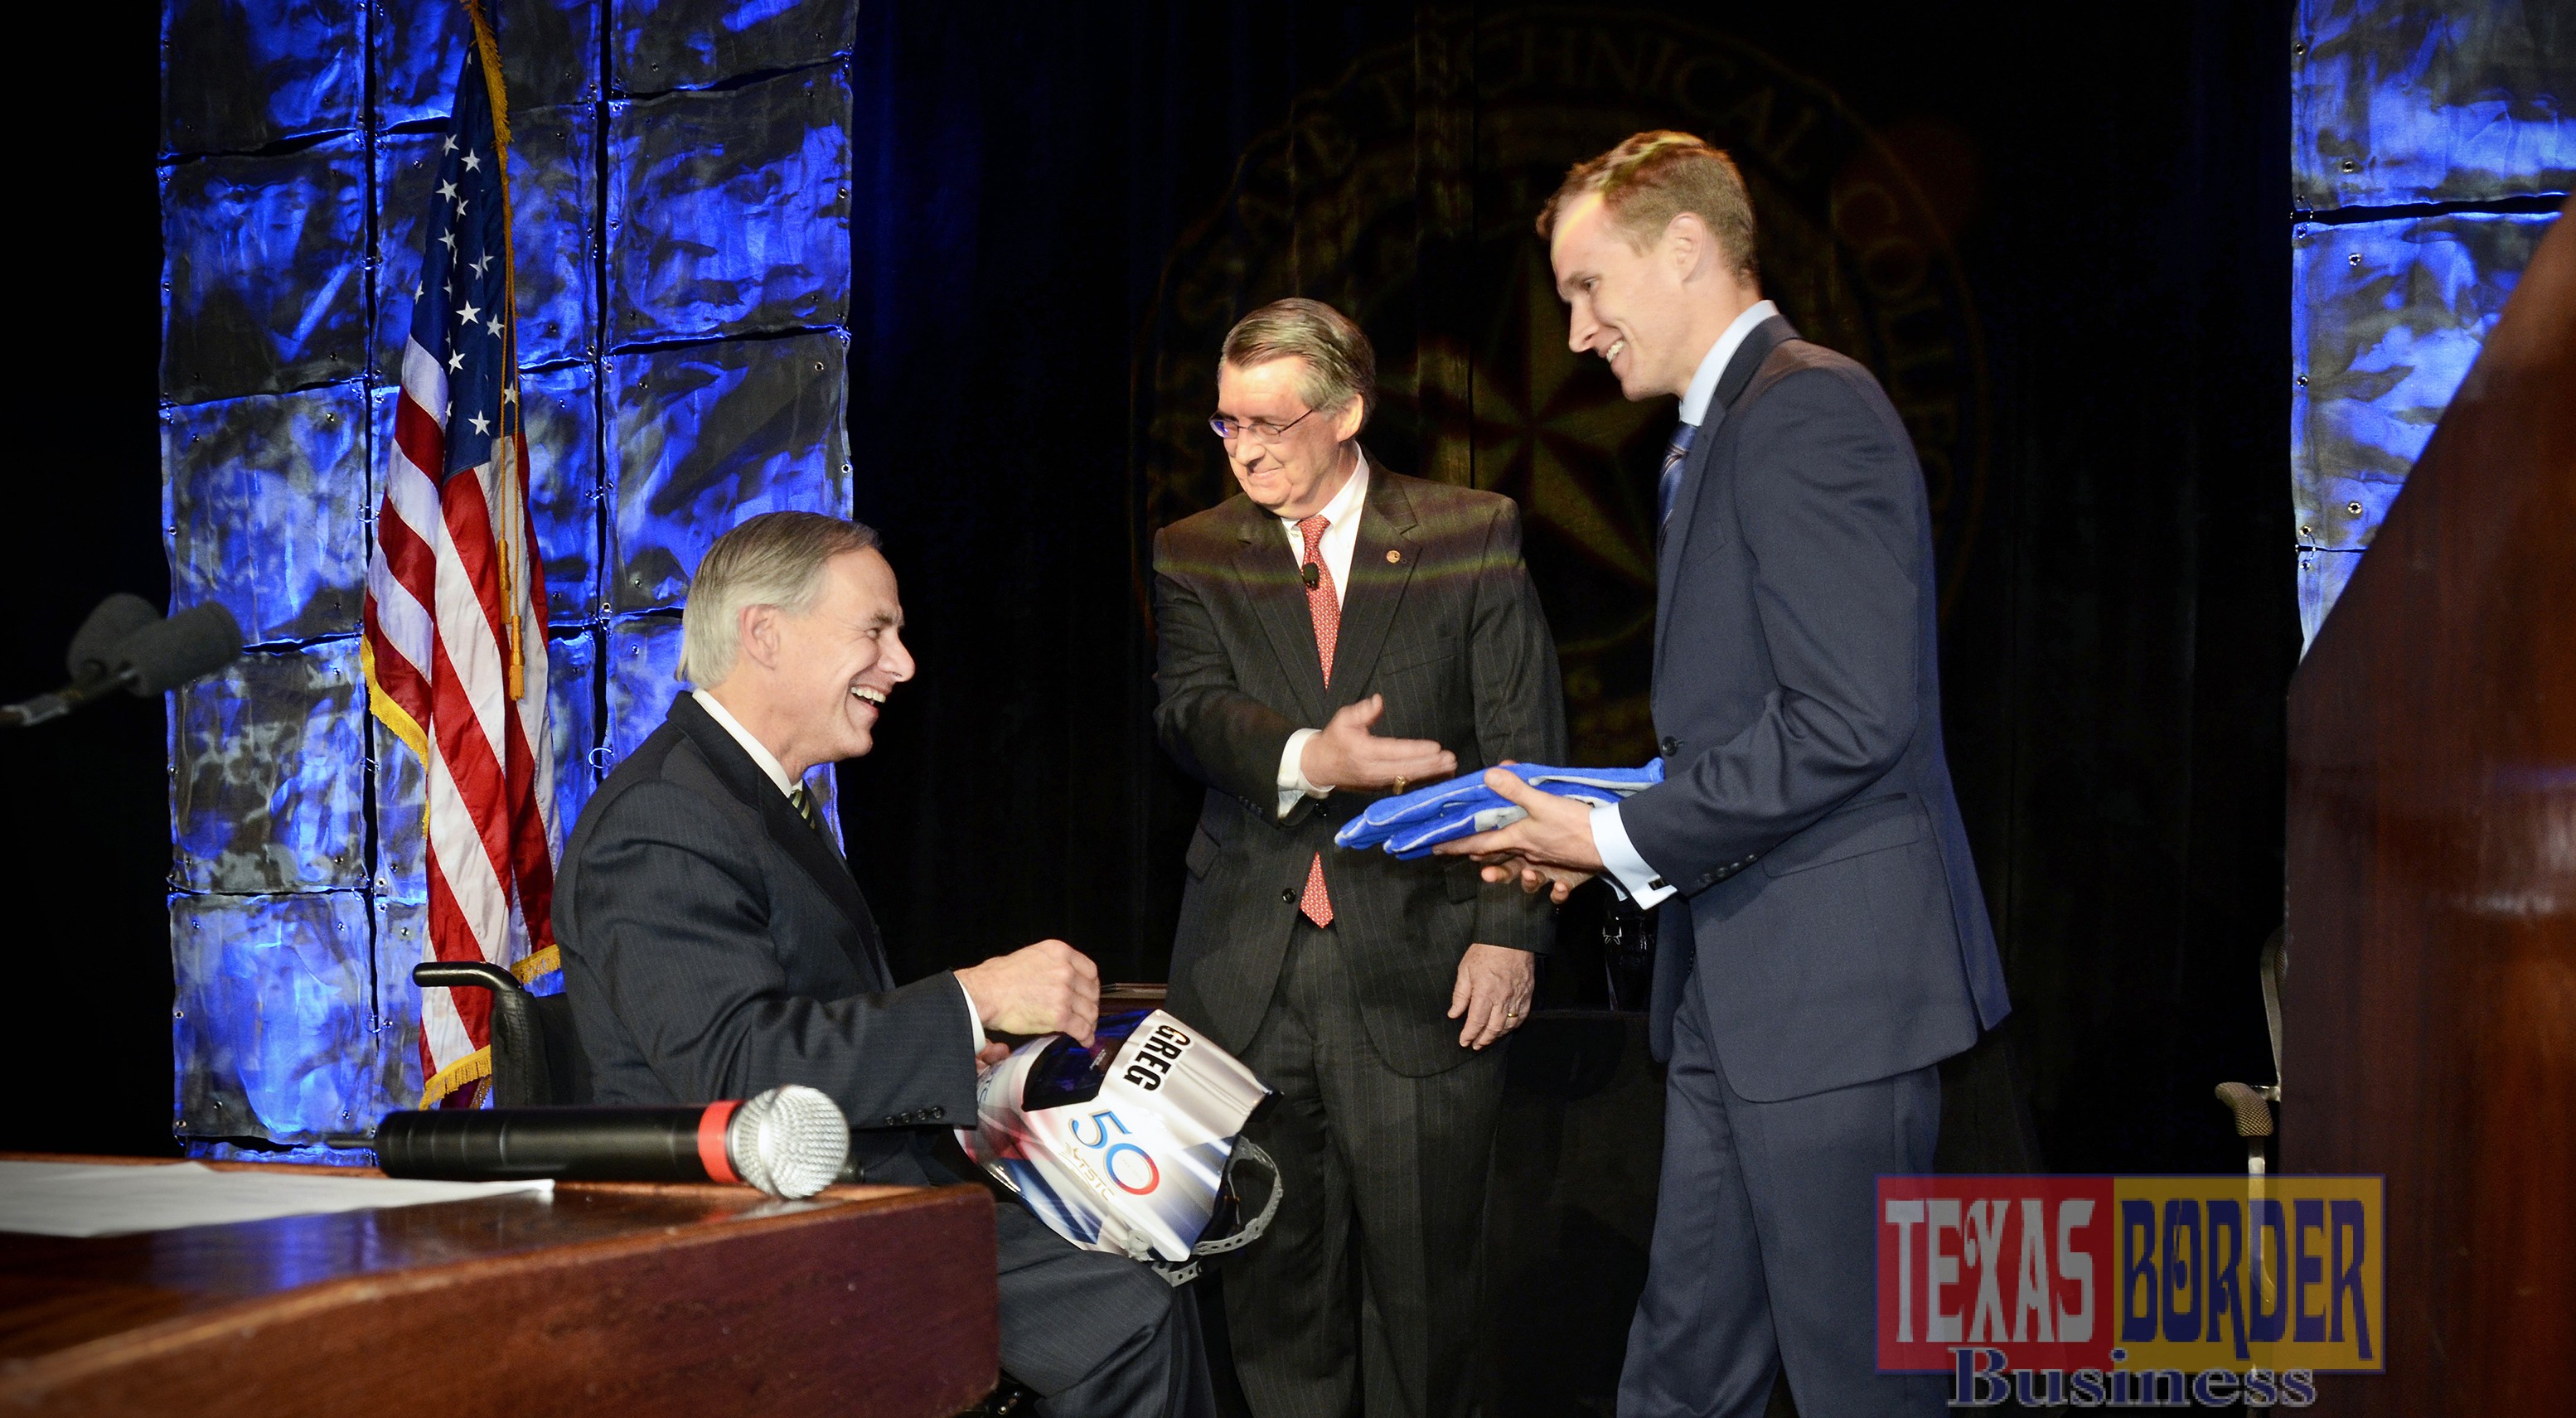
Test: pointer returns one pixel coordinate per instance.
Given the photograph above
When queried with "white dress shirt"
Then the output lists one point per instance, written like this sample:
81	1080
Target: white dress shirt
759	751
1341	535
1619	858
787	786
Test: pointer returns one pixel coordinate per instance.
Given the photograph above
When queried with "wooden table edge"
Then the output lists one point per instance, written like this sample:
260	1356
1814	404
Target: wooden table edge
24	1380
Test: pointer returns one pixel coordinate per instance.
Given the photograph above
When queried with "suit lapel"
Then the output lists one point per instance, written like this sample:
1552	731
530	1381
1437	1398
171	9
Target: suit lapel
1377	582
1268	571
1758	344
787	829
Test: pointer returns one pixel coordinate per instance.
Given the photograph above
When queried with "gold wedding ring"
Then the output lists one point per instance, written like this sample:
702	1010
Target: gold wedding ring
1400	781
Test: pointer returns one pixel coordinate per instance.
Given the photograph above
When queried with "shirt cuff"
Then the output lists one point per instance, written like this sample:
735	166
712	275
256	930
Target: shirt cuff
1292	772
974	1017
1628	871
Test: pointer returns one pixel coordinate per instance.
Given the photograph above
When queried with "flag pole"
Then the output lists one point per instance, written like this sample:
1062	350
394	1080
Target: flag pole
512	491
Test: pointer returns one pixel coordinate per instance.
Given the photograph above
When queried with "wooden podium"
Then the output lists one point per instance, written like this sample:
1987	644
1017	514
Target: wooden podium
2429	1015
634	1300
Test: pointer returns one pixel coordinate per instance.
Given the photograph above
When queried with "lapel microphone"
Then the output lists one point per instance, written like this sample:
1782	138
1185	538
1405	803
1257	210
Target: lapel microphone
1311	574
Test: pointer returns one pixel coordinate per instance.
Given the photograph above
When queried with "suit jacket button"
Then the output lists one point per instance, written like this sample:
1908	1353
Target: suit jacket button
1288	896
1669	746
935	1114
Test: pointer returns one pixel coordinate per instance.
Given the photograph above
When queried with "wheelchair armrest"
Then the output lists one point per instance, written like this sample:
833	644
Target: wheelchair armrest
456	974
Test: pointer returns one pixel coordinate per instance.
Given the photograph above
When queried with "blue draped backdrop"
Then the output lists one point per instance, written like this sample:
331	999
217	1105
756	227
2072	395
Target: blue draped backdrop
2431	144
681	199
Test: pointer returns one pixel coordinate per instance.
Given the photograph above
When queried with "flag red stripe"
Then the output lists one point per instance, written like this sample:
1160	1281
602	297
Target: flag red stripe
422	441
531	854
471	765
396	675
452	939
469	535
412	561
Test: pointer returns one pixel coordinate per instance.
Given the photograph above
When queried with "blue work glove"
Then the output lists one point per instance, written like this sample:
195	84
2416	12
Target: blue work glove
1409	826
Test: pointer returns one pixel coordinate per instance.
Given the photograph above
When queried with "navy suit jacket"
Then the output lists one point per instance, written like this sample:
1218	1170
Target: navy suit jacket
715	946
1807	819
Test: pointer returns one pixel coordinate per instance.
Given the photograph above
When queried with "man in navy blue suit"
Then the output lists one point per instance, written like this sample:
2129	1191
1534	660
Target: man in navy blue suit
1822	943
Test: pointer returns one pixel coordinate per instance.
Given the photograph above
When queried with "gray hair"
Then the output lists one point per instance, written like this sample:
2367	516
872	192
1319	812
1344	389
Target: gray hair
774	559
1340	365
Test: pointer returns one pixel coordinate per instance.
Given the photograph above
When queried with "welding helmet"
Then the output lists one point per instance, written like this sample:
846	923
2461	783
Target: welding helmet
1127	1146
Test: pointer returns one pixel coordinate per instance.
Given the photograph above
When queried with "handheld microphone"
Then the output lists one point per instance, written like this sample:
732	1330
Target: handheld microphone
1311	574
789	1142
125	644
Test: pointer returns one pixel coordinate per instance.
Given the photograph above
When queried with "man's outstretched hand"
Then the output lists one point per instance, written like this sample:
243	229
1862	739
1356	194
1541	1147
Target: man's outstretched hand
1550	849
1046	988
1346	755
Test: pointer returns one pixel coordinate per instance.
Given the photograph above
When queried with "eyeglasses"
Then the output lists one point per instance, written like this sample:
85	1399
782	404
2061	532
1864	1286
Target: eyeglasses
1258	430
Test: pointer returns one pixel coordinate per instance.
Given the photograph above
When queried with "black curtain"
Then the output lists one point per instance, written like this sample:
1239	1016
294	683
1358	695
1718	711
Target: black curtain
1069	209
86	799
2058	234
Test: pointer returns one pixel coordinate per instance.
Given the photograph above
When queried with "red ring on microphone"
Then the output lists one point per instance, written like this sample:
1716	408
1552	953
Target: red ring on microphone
711	1140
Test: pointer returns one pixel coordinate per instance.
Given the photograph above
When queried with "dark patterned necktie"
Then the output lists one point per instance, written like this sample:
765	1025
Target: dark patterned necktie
1669	485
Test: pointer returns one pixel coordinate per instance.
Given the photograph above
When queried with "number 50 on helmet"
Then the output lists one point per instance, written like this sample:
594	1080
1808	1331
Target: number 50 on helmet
1127	1146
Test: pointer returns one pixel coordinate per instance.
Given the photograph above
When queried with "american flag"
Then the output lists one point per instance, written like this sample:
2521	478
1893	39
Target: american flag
455	614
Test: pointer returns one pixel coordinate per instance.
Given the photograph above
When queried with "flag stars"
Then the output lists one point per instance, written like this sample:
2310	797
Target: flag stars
456	361
447	190
448	240
473	163
469	312
481	424
493	324
450	145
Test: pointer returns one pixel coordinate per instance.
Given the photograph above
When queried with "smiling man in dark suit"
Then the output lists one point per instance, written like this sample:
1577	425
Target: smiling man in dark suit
715	944
1335	599
1823	943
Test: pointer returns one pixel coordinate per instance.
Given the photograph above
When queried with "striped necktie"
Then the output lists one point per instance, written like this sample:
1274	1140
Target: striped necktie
808	809
1669	485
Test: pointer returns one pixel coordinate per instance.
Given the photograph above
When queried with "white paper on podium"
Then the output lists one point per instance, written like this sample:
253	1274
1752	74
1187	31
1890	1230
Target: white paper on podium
85	1199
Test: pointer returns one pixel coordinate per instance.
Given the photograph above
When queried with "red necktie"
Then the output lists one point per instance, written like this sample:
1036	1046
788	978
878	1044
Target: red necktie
1325	609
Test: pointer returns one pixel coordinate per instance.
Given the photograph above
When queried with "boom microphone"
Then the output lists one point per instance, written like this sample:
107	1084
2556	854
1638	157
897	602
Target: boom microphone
789	1142
93	649
188	646
125	644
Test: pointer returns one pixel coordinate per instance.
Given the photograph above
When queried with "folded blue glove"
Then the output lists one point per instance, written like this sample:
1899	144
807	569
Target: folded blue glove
1409	826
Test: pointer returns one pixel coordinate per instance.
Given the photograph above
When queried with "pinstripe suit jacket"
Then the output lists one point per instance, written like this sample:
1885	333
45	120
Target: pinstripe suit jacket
714	946
1798	695
1440	617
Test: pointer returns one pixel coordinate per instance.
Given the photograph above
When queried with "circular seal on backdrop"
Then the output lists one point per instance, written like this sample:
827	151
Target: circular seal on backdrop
1405	192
